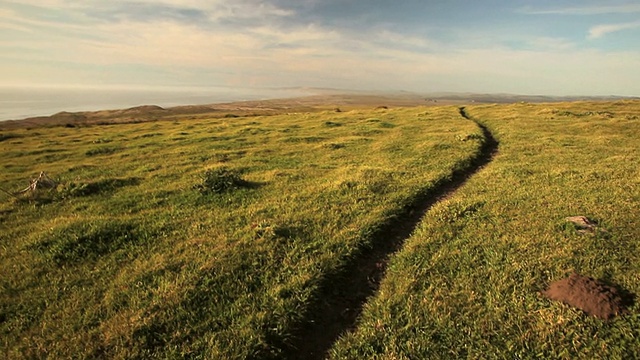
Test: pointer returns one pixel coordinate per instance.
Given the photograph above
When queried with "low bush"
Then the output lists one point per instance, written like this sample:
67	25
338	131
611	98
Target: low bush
220	180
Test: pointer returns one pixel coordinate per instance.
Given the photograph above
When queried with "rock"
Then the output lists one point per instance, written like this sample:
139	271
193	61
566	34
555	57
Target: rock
584	225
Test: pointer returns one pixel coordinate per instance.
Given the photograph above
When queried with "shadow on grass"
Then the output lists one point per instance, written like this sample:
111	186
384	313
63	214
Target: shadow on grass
628	299
100	186
342	294
82	241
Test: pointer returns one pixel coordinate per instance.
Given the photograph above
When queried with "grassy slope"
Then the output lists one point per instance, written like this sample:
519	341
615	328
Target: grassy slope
127	260
468	282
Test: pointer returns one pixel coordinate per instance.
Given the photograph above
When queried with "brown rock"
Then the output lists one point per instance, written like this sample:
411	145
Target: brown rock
584	225
581	222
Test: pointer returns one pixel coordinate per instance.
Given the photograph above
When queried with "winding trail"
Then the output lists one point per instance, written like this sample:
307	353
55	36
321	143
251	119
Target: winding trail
344	293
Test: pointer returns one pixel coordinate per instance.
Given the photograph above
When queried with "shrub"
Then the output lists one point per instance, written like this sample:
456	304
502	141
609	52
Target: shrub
220	180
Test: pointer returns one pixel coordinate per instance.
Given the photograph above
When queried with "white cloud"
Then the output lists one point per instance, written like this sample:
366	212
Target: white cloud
17	20
585	10
411	41
263	53
550	43
599	31
303	36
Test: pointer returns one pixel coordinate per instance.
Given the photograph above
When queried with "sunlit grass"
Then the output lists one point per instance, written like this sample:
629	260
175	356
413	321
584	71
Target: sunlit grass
467	284
141	252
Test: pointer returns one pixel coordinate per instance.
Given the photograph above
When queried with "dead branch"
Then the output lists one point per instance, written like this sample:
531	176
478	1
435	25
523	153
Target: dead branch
42	181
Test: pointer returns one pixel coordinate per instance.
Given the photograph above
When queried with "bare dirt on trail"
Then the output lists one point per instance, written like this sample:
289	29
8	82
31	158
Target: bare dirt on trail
591	296
344	293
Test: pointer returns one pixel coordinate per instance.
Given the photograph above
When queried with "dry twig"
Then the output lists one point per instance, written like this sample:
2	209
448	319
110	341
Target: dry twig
42	181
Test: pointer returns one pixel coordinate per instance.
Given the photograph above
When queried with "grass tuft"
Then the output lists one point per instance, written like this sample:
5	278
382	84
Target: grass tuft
220	180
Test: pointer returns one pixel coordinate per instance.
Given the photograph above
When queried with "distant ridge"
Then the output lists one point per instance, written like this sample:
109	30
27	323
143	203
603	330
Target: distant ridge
323	99
513	98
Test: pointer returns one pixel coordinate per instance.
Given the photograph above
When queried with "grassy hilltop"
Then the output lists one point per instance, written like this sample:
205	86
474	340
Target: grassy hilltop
468	281
222	236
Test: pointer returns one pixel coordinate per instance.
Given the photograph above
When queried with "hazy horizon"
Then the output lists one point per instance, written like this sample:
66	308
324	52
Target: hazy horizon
20	102
17	103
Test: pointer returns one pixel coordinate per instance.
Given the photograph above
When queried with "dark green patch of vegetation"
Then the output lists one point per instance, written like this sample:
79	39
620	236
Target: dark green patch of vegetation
97	187
44	151
335	146
387	125
148	135
216	181
7	136
105	150
82	240
332	124
306	139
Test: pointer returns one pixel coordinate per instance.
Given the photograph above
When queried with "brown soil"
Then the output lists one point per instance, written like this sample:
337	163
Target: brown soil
591	296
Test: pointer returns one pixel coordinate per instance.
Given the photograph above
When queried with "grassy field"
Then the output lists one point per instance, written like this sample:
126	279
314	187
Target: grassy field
203	238
212	237
467	283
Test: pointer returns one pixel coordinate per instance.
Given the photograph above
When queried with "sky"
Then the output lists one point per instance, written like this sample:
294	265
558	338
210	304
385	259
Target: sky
560	47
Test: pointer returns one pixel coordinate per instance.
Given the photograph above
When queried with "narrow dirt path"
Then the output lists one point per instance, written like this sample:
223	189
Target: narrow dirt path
344	293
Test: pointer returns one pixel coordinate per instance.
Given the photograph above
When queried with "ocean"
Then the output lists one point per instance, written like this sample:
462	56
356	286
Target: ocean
22	102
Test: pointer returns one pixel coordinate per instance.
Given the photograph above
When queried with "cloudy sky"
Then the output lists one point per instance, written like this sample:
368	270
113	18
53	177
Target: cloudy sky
560	47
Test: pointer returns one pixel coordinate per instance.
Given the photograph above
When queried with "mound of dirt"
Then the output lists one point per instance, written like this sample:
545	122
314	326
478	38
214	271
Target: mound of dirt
590	295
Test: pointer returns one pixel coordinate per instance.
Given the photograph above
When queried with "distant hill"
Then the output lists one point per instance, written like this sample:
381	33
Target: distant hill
323	99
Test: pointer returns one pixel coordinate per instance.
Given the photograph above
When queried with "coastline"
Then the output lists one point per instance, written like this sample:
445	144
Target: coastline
91	106
153	112
19	103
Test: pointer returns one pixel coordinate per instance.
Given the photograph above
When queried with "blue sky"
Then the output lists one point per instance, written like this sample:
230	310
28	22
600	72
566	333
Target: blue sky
526	47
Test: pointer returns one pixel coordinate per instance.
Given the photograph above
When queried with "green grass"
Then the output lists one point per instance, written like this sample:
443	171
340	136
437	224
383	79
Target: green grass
467	283
203	239
209	238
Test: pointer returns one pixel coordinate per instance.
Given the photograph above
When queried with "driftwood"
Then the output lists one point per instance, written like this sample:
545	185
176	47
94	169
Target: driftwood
41	182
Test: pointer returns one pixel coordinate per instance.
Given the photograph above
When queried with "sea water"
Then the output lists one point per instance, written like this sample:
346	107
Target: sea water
22	102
